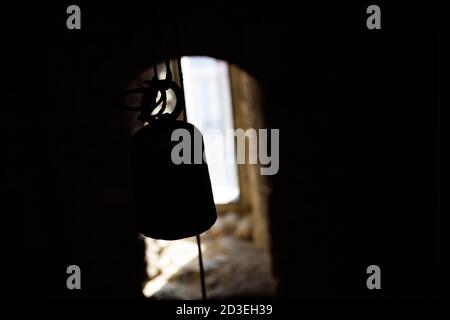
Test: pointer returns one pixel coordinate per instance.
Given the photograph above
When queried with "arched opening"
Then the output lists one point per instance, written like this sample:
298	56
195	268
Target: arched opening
220	98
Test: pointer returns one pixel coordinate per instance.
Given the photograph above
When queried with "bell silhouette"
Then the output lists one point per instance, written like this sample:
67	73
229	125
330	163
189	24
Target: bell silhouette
173	199
172	191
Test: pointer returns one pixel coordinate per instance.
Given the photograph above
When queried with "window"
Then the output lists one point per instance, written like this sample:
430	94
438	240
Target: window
209	108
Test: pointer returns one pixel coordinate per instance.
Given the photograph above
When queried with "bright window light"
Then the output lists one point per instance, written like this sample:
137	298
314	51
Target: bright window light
209	107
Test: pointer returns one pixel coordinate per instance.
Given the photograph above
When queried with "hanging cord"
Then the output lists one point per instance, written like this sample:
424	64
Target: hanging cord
202	271
180	72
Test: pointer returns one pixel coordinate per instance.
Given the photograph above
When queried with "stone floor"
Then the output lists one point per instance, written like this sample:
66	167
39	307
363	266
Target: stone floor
234	266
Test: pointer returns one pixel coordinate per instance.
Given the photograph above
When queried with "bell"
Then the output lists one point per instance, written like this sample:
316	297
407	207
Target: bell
173	199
